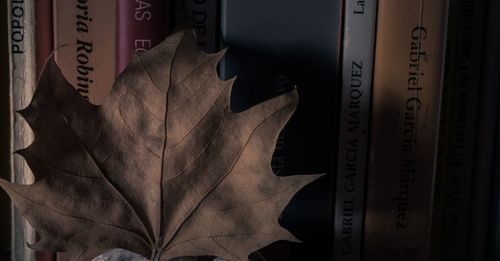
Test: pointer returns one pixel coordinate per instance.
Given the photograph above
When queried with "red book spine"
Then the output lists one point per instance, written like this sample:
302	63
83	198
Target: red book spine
43	34
140	26
43	48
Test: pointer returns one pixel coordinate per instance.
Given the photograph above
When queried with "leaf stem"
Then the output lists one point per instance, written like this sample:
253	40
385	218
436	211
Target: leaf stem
157	250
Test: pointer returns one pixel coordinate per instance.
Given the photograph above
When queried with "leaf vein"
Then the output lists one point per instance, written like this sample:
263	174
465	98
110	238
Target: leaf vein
199	122
224	176
101	172
139	58
217	131
209	57
195	94
84	219
132	133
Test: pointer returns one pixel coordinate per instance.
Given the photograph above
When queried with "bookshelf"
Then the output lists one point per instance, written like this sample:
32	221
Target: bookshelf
411	171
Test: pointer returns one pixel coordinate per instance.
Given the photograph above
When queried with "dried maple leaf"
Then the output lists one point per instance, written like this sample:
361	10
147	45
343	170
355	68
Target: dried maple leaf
163	168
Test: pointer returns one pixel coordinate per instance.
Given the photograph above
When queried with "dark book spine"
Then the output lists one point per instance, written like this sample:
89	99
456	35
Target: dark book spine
485	148
43	48
43	33
5	135
493	251
357	68
487	128
407	85
441	159
204	17
465	39
273	47
140	26
486	227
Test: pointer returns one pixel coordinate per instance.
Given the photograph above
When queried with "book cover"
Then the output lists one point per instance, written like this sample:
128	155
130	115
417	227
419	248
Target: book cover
204	17
407	84
274	46
84	39
357	68
22	60
140	26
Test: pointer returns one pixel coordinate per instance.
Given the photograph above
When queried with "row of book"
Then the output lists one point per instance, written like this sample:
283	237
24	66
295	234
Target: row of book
417	173
398	105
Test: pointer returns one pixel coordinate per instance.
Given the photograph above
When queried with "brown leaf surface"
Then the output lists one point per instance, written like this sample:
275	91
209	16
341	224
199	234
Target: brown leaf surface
163	168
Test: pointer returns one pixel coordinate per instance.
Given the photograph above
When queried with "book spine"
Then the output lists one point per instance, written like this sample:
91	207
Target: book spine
5	152
493	251
492	83
179	15
140	26
84	43
442	156
292	43
407	86
463	87
22	83
84	39
357	69
486	184
204	18
43	49
44	36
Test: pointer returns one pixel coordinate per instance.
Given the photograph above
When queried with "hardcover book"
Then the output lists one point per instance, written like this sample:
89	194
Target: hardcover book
44	36
493	252
462	88
5	205
204	17
44	43
292	44
84	38
140	26
407	85
486	186
357	68
22	60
